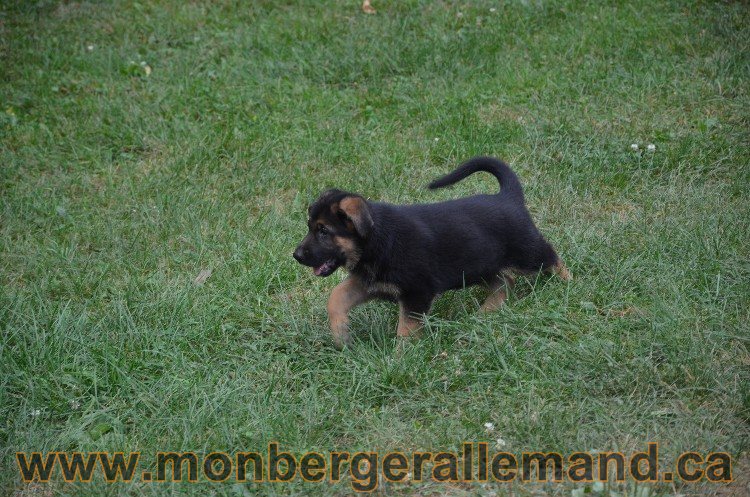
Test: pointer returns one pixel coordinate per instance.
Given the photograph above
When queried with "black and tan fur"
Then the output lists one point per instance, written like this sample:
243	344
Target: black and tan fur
412	253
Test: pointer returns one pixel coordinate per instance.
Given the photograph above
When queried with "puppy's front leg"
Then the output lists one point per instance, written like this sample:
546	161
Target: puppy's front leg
346	295
409	306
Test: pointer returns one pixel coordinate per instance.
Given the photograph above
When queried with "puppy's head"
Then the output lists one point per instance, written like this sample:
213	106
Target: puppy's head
338	224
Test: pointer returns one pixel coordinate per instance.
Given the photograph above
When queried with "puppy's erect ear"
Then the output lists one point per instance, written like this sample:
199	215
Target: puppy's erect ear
355	213
324	199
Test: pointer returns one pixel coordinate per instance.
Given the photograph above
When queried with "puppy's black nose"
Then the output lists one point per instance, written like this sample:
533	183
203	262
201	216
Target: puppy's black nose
300	254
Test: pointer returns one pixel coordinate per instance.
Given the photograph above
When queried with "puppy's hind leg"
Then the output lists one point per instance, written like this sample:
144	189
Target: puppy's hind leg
409	308
345	296
498	294
560	269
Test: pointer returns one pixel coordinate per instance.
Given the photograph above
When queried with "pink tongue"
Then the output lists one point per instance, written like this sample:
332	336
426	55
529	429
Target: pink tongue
319	270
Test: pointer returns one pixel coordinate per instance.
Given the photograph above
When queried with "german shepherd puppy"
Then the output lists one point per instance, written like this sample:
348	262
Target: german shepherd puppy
412	253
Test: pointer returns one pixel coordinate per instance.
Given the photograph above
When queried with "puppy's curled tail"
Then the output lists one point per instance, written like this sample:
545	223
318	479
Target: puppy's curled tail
509	184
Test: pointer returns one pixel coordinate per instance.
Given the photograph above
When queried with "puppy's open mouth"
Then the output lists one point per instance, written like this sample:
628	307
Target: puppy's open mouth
326	268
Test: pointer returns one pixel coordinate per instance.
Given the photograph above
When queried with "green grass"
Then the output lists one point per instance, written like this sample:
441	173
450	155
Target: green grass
118	188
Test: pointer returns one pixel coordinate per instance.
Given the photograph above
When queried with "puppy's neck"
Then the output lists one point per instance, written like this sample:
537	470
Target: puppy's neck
373	264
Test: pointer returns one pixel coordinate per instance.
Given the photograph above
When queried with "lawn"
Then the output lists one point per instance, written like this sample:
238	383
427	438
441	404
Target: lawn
142	143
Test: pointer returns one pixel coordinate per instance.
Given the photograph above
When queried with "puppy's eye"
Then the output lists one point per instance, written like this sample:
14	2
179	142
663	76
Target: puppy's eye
323	230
